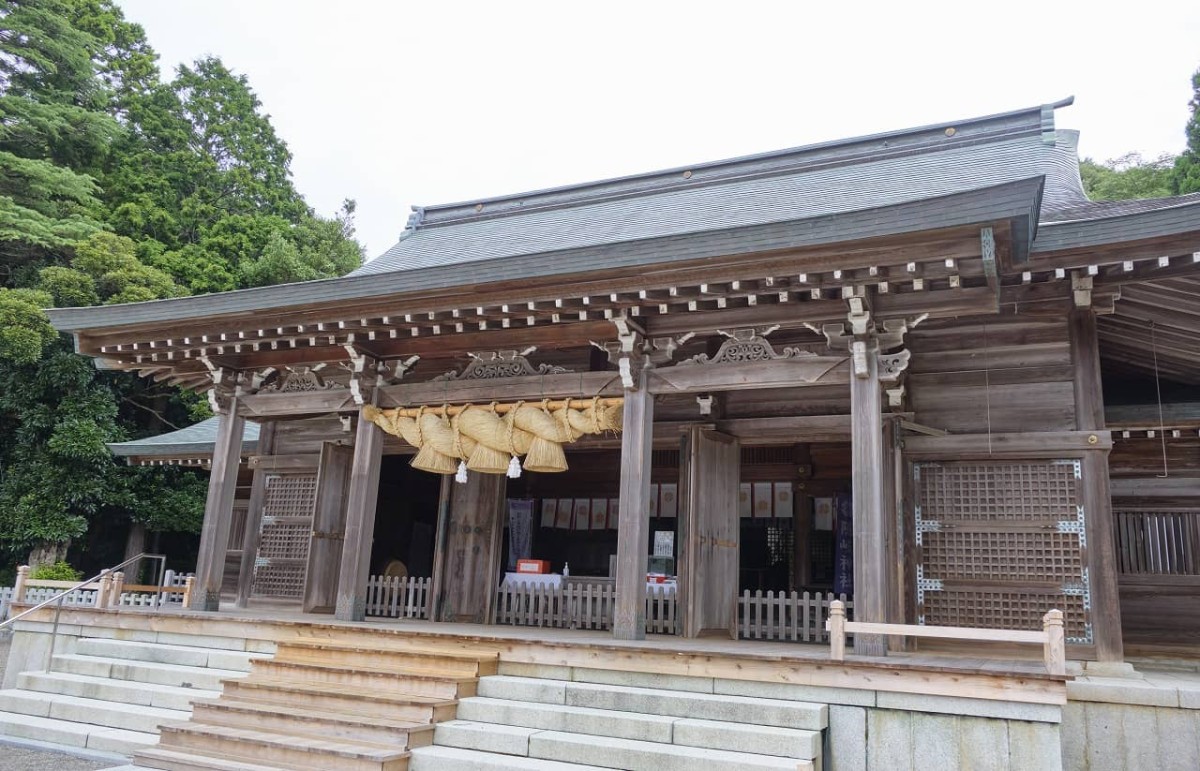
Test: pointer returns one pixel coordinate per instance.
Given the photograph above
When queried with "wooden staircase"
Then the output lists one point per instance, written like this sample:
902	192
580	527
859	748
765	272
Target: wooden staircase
323	705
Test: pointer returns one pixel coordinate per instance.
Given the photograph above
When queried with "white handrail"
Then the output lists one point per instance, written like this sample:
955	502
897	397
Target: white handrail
1051	637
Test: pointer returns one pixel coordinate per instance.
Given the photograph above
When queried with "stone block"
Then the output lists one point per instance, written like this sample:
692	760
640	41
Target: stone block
983	745
935	744
1034	746
1105	739
889	740
793	692
740	737
1074	736
847	739
1179	740
467	735
544	671
643	680
1139	732
648	756
954	705
734	709
523	689
1118	690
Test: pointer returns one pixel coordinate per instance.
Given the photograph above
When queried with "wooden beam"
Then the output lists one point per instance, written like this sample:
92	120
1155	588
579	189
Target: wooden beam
1041	444
218	510
780	373
270	404
570	384
360	523
633	529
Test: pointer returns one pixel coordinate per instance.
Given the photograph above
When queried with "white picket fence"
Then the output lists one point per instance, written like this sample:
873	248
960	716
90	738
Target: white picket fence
790	616
87	597
392	597
579	606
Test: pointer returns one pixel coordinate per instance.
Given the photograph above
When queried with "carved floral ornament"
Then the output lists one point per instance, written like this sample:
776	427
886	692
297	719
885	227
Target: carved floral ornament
493	365
747	345
299	380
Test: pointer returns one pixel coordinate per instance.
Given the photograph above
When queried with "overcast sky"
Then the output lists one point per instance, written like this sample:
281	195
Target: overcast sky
399	103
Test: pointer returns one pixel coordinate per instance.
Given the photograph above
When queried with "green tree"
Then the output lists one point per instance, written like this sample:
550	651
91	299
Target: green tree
1186	176
1129	176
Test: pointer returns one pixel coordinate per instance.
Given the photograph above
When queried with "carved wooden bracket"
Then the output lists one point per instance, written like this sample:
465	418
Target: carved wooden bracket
745	345
367	372
627	352
492	365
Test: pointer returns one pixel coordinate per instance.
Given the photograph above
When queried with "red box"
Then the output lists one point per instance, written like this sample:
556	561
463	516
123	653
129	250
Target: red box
533	566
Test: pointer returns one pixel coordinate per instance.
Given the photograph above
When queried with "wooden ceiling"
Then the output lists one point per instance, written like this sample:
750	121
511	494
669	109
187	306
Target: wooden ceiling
1155	327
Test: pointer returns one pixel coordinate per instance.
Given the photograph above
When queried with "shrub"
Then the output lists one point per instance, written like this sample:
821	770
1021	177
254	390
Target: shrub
59	571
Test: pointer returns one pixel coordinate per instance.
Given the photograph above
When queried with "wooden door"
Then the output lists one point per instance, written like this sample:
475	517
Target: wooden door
328	528
710	529
281	559
468	571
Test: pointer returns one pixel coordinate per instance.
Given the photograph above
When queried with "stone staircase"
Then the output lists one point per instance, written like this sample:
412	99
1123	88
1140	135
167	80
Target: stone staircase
322	705
111	695
522	723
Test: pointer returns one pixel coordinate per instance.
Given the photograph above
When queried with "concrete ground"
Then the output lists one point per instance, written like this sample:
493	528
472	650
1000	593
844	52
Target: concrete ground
26	757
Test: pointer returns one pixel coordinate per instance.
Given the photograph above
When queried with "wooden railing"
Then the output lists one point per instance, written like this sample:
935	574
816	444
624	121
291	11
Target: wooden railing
580	606
1050	637
790	616
1157	542
394	597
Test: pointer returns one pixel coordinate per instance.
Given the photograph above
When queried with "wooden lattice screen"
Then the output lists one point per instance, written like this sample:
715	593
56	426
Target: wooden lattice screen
287	518
999	543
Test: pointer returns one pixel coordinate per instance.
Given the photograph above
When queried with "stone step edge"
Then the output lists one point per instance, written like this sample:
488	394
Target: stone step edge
347	748
273	684
733	757
478	759
252	655
195	759
70	726
387	649
89	703
415	674
226	704
602	714
156	665
129	684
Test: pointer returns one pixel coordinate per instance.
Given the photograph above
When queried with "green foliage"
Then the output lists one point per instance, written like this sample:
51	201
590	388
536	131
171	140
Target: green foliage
118	186
59	571
24	328
1186	176
1129	176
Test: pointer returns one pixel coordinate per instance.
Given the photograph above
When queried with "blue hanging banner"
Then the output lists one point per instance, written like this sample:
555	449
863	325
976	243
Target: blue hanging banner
843	546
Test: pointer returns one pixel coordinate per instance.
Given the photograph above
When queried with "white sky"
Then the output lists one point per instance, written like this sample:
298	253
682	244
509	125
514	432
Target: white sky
402	103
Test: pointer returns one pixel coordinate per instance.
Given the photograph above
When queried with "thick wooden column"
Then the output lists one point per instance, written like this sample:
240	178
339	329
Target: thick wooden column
360	522
253	531
1097	500
870	536
218	510
633	533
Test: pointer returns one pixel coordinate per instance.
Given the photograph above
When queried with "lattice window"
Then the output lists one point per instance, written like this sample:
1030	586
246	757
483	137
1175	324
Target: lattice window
279	580
285	539
1001	556
990	491
290	495
1001	542
1008	610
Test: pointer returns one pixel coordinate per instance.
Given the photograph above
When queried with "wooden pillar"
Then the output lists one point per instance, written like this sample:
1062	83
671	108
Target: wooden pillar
360	522
633	533
254	508
440	539
1097	500
218	510
870	536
